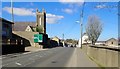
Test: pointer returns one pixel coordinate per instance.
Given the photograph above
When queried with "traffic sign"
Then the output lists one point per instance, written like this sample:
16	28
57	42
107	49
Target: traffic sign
38	38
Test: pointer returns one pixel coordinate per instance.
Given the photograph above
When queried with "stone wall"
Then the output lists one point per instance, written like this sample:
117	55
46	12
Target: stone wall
106	57
27	35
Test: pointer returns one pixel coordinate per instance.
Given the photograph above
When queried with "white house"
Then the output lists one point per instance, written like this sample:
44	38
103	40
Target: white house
29	29
100	43
84	40
112	42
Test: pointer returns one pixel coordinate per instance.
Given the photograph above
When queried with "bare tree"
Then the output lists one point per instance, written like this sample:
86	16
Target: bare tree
93	28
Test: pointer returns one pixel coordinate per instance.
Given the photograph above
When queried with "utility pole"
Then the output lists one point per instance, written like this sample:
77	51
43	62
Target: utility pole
12	17
63	41
81	22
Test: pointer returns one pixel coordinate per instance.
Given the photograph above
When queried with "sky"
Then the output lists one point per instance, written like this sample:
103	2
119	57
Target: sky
62	16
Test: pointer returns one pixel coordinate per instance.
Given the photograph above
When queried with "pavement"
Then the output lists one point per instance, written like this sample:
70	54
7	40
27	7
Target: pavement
55	57
33	49
80	59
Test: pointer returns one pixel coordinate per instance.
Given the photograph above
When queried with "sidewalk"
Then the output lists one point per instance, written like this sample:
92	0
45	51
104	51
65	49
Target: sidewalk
32	49
80	59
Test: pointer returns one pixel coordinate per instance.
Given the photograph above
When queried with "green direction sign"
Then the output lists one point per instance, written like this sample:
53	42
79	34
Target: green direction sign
38	38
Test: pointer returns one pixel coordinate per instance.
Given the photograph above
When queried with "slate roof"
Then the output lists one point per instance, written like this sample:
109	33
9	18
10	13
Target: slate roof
21	26
4	20
112	39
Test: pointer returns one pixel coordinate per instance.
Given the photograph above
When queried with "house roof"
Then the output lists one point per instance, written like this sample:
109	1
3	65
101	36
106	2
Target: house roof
21	26
4	20
111	39
32	28
55	37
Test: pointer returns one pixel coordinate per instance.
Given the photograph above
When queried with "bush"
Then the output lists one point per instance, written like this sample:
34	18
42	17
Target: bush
39	29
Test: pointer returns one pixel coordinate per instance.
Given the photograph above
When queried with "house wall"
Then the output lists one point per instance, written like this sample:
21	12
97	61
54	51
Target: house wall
99	43
112	42
27	35
7	30
28	29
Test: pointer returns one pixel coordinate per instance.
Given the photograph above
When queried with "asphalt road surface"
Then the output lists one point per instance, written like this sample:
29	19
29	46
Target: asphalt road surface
55	57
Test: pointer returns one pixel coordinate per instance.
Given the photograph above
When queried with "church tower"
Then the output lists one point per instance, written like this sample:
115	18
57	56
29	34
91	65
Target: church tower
41	20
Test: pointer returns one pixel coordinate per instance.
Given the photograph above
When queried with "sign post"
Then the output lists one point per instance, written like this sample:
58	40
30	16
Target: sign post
38	38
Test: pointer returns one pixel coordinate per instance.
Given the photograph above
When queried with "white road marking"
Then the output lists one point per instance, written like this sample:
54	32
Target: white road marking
27	53
18	63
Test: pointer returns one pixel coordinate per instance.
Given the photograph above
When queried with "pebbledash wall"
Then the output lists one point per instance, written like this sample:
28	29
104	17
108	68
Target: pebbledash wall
106	57
27	35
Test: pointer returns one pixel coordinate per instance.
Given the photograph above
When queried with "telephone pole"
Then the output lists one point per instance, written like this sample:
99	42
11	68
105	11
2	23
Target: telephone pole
12	16
81	22
63	41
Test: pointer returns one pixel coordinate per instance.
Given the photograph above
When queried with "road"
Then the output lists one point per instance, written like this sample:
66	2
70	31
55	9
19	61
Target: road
56	57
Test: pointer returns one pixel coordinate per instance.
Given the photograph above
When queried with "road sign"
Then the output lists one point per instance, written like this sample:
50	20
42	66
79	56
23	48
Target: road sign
38	38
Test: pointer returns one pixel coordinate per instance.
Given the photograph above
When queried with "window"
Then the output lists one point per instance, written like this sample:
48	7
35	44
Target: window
40	21
111	42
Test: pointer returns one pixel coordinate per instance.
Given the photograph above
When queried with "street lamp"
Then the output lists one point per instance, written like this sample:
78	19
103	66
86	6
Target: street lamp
81	21
12	16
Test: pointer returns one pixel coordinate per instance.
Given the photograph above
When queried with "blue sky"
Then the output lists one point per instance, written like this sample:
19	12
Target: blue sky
62	17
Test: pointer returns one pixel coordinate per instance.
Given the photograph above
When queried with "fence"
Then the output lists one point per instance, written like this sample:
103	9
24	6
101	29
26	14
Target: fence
12	42
12	46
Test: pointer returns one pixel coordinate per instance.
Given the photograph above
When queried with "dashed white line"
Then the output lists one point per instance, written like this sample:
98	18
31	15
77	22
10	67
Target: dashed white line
18	63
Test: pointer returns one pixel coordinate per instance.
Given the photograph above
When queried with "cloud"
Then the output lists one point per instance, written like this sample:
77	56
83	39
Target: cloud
73	5
51	18
77	21
100	6
20	11
72	2
67	10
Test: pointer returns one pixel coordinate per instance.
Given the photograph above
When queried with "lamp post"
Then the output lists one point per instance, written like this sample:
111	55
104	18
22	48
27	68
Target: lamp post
12	16
63	41
81	22
12	11
81	33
